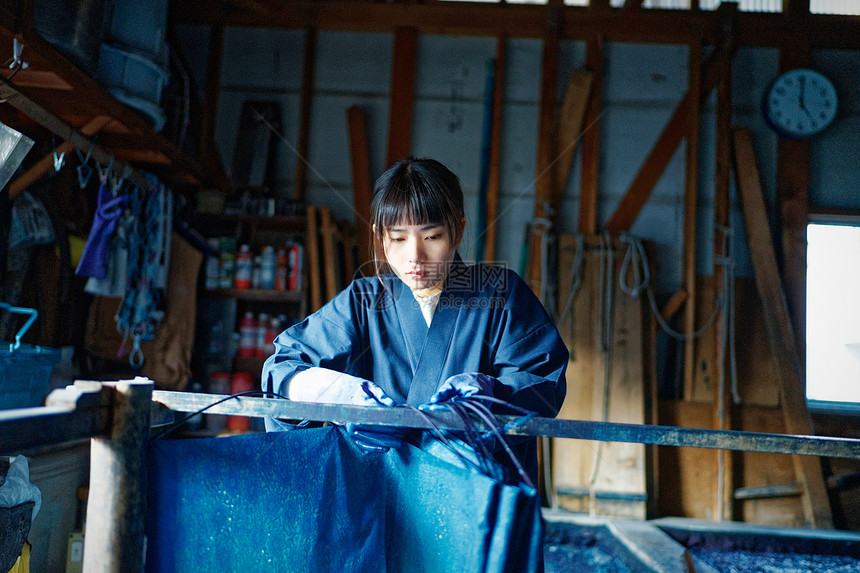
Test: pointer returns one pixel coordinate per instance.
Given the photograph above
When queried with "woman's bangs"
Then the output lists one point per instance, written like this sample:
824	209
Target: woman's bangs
410	206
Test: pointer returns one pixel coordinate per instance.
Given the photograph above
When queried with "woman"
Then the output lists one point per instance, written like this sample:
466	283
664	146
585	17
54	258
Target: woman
428	327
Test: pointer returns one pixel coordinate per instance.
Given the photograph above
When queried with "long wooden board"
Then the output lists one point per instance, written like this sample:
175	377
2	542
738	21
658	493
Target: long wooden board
313	258
780	333
601	478
545	174
361	184
571	115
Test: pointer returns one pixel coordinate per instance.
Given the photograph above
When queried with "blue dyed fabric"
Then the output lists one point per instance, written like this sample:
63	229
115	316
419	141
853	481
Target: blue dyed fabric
312	501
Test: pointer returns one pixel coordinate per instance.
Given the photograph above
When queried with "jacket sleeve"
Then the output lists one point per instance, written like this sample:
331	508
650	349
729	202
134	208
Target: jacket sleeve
326	338
531	358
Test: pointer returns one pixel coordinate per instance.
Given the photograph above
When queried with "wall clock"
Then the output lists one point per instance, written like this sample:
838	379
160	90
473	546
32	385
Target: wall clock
800	103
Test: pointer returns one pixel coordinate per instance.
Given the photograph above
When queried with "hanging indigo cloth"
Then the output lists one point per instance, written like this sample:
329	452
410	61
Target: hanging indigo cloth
311	500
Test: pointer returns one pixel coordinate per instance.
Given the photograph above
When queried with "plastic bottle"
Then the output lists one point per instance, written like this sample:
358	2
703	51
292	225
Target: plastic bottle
248	336
260	340
244	268
267	268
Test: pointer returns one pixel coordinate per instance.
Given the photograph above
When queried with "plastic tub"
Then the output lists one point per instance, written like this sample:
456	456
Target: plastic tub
138	24
25	370
74	27
137	75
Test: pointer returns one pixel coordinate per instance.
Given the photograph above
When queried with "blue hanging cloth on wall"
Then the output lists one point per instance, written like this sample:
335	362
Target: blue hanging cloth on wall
311	500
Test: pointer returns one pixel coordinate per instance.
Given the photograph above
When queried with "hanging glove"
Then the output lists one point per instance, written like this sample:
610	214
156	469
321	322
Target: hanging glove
93	261
329	386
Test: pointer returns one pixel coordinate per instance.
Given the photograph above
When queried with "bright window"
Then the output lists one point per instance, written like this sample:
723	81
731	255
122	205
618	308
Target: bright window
833	313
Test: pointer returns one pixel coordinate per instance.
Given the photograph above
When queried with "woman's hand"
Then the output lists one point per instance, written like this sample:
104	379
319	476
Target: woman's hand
332	387
463	386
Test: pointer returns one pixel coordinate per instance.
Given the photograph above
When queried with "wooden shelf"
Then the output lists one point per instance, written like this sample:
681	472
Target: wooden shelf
259	295
52	81
291	223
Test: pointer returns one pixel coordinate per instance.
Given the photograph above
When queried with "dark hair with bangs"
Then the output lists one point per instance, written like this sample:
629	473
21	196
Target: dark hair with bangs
415	192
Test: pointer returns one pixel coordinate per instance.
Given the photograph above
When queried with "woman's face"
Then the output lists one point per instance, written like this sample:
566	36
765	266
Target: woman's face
420	255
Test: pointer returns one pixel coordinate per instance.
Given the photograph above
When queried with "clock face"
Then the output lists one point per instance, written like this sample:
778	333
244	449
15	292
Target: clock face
800	103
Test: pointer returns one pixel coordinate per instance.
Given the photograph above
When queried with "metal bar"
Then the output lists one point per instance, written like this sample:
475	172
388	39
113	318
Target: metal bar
552	427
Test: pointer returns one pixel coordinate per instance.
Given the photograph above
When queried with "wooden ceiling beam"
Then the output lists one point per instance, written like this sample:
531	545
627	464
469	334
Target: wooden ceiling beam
524	20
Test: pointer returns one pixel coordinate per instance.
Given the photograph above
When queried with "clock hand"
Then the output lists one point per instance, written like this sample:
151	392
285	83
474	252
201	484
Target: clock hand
802	97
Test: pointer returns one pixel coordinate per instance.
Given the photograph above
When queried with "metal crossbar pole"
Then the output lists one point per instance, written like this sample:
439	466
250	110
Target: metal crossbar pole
533	426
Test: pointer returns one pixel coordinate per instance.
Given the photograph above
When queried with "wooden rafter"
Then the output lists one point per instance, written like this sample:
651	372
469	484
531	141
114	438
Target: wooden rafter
654	165
523	20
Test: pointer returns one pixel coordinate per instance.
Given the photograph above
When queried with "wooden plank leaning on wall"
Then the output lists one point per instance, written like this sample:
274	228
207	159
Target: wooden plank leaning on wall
362	191
816	502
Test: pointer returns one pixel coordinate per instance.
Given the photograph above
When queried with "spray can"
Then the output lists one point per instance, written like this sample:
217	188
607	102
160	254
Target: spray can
244	268
248	336
267	268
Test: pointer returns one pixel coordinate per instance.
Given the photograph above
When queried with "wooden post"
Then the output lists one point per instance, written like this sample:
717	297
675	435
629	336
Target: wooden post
305	116
591	140
489	253
211	91
545	176
691	192
792	184
402	94
314	279
116	510
723	509
780	334
362	193
328	230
